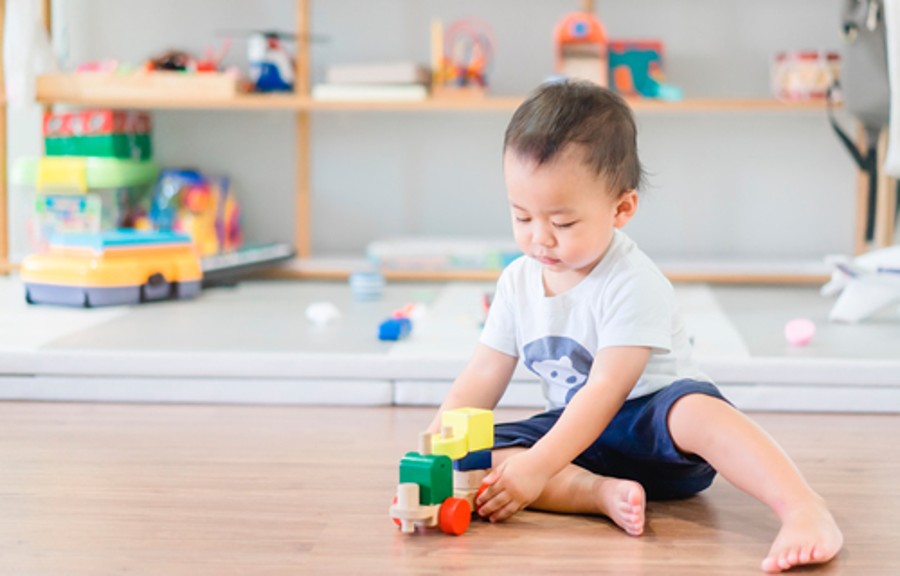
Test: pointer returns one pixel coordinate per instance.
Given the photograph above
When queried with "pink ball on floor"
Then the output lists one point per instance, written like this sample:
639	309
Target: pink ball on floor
799	332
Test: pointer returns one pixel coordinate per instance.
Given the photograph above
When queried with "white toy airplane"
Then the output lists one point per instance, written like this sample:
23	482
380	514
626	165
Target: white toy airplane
867	284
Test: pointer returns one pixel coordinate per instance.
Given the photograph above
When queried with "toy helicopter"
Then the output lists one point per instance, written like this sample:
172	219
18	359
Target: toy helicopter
271	67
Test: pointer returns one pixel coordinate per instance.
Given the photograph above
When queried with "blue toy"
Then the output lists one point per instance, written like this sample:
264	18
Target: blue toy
394	328
271	67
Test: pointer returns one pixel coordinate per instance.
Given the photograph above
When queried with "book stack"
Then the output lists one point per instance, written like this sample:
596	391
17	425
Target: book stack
389	81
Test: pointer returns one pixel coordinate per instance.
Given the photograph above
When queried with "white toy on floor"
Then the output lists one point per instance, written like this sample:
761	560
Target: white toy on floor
866	283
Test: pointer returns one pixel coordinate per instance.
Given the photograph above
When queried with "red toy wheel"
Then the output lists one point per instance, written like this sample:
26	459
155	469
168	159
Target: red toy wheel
454	516
396	520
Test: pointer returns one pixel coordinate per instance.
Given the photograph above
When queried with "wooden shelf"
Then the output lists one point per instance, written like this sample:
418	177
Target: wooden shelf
239	102
305	103
511	103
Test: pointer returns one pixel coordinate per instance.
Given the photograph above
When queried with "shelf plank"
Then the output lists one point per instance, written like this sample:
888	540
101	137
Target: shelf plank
430	104
511	103
239	102
493	103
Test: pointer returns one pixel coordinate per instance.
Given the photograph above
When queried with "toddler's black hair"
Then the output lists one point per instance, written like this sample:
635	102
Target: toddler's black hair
577	112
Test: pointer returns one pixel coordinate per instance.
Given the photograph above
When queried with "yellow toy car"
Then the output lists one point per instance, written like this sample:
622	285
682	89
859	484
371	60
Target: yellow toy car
110	268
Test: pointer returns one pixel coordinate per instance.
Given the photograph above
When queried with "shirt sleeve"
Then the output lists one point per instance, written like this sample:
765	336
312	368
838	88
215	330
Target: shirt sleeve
499	330
637	309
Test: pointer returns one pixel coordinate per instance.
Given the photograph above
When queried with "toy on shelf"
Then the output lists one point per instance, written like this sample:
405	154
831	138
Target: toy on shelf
202	206
461	57
83	194
582	48
439	484
142	85
181	61
271	67
636	69
374	81
111	268
103	133
173	75
805	75
866	284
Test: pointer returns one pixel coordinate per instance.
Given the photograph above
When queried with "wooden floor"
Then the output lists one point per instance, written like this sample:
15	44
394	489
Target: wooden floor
216	490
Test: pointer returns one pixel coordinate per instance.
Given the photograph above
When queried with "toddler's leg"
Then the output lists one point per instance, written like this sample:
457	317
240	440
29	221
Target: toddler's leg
751	460
579	491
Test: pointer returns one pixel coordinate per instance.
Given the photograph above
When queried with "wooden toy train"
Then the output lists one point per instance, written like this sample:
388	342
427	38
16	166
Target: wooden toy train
439	483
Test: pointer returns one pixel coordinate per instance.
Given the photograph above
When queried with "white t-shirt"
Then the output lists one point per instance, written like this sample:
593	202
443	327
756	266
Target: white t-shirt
624	301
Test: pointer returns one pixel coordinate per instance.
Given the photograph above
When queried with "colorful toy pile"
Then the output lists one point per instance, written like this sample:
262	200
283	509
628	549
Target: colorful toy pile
101	233
201	206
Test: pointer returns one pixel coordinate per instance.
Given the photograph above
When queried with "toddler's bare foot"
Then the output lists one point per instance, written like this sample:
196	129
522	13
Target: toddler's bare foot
624	502
808	535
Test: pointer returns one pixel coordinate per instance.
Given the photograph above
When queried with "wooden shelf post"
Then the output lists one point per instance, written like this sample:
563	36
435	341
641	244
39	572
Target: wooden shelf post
302	217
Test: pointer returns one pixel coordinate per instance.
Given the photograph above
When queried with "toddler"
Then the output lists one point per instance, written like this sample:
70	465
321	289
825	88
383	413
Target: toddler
630	417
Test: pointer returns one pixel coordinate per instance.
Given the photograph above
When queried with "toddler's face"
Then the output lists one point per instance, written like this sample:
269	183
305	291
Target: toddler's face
563	216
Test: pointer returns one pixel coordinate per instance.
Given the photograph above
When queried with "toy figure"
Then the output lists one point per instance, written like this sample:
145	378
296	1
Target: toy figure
581	48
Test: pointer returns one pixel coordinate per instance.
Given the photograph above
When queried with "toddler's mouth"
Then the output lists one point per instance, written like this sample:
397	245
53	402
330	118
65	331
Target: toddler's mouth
546	260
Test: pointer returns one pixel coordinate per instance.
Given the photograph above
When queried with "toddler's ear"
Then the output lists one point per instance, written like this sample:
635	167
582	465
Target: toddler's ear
626	206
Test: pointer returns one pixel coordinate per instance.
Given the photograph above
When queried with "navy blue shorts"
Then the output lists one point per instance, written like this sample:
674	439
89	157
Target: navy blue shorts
636	445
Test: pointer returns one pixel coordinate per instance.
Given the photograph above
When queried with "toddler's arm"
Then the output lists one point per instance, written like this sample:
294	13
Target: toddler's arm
480	384
521	478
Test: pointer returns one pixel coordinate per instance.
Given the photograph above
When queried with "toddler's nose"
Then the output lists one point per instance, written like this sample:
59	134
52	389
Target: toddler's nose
543	236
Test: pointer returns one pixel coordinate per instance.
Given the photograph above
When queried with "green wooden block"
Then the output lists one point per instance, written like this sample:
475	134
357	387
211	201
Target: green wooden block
433	474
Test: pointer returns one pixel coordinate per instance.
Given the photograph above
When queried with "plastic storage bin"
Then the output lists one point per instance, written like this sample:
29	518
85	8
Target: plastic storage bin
83	194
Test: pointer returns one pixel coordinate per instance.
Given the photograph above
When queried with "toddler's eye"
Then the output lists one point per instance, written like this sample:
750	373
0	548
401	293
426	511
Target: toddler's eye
522	219
564	224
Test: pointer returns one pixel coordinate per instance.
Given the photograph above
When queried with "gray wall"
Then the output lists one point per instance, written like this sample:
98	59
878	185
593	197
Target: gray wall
756	185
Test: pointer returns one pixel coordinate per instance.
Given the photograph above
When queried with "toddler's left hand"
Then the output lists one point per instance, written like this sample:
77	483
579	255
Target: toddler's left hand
511	486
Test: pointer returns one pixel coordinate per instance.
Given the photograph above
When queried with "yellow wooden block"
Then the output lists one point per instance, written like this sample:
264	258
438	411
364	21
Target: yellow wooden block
473	424
453	446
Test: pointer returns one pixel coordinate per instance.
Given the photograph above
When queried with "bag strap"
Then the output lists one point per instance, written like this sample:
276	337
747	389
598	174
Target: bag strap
867	163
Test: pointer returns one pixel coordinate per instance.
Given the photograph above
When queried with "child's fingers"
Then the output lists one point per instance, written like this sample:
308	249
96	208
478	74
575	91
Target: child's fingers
505	512
494	474
478	499
489	487
493	503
